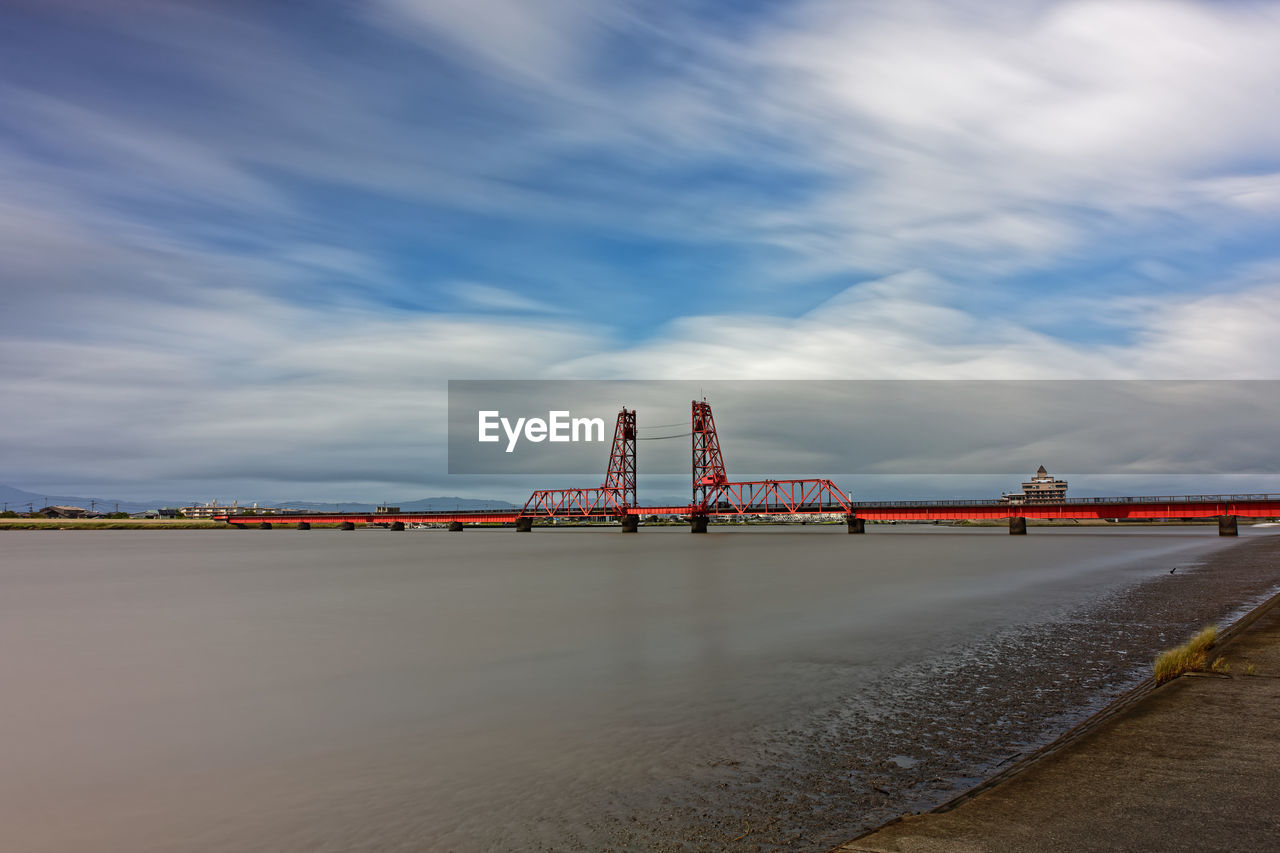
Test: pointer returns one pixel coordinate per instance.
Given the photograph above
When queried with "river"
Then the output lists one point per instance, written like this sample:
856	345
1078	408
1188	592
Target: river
571	689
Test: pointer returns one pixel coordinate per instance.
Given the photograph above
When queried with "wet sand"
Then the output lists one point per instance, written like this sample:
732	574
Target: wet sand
955	723
1190	765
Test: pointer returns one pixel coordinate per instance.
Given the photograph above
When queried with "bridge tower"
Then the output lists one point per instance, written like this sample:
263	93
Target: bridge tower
621	474
614	497
708	464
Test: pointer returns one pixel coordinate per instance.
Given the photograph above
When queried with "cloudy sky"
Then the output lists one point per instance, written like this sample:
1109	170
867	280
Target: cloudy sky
245	244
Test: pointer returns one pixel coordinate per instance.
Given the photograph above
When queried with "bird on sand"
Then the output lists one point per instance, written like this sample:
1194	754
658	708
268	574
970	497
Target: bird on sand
1174	569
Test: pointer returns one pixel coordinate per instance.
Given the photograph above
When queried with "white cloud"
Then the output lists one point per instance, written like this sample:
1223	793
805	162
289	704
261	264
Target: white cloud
490	298
932	146
254	388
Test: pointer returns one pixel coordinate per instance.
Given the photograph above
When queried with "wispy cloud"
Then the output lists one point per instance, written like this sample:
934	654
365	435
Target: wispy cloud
245	230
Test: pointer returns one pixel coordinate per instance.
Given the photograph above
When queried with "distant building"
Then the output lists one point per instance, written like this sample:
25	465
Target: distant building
1040	489
209	510
62	512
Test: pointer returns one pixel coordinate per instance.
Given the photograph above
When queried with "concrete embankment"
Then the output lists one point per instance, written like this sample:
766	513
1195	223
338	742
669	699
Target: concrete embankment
1191	765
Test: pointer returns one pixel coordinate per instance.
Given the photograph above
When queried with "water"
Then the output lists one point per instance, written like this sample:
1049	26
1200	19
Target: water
567	689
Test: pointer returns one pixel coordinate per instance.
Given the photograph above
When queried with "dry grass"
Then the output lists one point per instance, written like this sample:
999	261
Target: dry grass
1192	657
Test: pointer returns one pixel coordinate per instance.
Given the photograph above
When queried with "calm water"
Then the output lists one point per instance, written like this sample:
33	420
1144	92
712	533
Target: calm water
322	690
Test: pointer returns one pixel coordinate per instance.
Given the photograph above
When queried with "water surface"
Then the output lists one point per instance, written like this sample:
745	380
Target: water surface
421	690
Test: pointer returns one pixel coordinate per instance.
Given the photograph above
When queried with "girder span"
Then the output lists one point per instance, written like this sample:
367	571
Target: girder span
714	494
614	497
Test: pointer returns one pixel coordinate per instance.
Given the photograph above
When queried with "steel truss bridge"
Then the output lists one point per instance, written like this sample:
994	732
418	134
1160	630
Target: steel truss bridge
715	495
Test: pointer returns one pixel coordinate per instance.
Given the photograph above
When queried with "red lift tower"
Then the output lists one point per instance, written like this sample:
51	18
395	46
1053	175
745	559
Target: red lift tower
708	464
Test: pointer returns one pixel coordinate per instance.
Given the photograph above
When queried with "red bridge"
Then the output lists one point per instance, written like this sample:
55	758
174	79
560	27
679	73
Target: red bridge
715	495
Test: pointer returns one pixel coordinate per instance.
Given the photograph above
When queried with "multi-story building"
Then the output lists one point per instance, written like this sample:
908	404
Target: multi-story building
1040	489
209	510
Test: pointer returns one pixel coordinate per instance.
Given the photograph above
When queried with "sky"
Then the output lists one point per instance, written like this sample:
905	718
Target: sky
246	244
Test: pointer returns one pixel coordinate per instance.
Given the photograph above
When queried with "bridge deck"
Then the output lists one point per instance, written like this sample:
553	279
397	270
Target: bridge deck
1180	506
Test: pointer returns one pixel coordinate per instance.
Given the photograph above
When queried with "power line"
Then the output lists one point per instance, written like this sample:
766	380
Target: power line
661	437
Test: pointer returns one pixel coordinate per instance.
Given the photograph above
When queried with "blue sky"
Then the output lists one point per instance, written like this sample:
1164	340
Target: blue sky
246	243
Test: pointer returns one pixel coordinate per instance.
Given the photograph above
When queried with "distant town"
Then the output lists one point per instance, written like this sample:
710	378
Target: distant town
1042	488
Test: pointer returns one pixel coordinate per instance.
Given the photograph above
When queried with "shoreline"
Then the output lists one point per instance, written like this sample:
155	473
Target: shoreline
924	734
1131	733
1116	708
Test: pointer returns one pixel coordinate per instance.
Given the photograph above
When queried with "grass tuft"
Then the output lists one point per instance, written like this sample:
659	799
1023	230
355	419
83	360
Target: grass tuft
1191	657
1250	669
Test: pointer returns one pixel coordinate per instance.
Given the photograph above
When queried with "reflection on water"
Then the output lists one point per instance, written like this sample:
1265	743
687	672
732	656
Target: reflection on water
374	690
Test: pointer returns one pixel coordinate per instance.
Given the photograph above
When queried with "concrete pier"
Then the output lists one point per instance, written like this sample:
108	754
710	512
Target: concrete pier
264	525
698	524
524	525
1018	526
304	525
631	524
1227	526
348	525
455	527
856	525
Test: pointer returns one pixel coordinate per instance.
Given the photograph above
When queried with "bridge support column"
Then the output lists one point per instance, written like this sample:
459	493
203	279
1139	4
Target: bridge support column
397	525
698	524
524	525
856	525
264	525
455	527
347	525
304	525
1227	526
631	524
1018	526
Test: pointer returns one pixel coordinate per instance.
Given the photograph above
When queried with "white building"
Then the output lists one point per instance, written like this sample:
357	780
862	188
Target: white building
1040	489
209	510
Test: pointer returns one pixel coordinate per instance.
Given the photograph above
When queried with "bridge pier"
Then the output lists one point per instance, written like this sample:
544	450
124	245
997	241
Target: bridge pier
1227	526
264	525
347	525
1018	526
631	524
524	524
856	525
397	525
698	524
455	527
304	525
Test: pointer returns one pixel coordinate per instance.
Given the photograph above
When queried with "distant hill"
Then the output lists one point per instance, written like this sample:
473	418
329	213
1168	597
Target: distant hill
17	500
422	504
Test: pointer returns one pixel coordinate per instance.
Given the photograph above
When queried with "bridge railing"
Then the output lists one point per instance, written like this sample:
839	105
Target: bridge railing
1141	499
